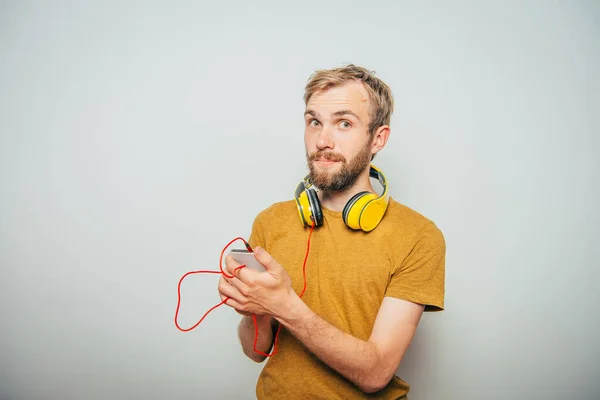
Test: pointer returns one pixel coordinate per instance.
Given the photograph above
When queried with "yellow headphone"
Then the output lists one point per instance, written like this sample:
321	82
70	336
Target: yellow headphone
364	210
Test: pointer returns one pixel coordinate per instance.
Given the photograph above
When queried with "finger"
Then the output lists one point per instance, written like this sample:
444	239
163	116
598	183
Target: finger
222	282
266	259
239	285
247	276
240	308
244	313
227	290
231	265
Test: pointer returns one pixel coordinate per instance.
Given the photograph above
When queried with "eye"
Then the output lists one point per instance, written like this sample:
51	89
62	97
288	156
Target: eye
313	122
345	124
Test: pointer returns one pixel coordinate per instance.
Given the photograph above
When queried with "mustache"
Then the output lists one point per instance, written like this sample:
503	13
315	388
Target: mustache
326	155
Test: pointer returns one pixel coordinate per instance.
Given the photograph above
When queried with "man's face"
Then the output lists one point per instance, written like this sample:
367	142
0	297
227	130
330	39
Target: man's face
338	146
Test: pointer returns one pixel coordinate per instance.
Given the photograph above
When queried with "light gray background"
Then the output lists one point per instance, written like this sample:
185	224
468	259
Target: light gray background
137	139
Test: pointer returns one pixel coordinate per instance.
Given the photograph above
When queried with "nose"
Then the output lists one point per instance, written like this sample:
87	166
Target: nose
324	139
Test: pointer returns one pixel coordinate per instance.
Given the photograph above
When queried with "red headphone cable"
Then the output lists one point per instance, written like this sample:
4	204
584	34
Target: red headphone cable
222	272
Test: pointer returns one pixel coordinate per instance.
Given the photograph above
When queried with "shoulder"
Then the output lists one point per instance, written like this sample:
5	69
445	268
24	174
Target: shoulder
278	209
274	222
277	213
400	214
401	218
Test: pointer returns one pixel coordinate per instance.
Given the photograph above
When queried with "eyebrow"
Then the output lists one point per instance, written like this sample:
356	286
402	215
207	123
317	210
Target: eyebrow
335	114
311	112
345	112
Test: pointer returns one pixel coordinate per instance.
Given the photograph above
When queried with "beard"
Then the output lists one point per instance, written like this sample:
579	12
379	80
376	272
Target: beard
345	177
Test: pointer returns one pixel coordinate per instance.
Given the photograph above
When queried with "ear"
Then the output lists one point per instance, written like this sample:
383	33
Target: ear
380	138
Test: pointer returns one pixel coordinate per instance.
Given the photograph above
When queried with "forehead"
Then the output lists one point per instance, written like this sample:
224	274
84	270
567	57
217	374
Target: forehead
349	96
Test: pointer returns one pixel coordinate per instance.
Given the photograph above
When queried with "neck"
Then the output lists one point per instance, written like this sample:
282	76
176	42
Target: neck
336	201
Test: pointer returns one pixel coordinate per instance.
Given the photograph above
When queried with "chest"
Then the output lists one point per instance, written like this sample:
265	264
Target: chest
346	272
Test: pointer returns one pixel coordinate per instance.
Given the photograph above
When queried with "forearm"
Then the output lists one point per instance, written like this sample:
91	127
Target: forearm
246	333
357	360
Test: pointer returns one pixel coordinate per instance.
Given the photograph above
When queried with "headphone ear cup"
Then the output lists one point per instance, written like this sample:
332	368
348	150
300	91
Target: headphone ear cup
315	205
350	217
371	214
304	208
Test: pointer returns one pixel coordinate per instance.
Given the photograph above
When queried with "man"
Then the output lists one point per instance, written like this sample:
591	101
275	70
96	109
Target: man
365	291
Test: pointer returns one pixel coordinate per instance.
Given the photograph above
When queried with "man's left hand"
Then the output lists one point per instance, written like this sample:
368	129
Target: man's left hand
269	292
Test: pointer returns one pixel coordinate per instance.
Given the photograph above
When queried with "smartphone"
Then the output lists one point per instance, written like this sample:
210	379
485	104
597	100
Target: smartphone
243	256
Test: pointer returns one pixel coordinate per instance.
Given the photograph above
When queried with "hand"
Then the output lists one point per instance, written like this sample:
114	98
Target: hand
261	293
226	290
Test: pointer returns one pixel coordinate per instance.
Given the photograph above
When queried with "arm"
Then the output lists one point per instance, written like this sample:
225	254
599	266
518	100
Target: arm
368	364
419	279
246	330
246	334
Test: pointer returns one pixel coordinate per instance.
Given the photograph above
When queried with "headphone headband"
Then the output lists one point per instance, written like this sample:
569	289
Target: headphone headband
376	173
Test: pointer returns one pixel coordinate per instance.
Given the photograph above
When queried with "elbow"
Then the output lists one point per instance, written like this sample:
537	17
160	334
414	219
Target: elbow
254	356
372	387
375	382
377	375
257	359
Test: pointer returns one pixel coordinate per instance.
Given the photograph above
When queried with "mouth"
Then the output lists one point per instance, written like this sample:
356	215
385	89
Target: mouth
326	159
326	162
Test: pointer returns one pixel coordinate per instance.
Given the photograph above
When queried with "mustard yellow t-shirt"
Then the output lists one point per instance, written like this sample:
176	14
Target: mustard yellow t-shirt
348	275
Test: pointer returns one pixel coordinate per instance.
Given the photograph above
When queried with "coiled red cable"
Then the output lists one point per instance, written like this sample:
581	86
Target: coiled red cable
222	272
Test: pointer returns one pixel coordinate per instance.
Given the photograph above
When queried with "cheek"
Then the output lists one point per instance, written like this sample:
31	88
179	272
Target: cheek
309	139
344	142
349	144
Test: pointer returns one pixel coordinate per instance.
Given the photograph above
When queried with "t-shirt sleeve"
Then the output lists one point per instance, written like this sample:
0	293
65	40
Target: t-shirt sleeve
420	276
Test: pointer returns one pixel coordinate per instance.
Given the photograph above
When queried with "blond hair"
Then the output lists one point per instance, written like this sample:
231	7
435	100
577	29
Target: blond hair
381	102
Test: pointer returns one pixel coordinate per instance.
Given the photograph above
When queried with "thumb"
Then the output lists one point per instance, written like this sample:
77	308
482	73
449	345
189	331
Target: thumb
266	259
